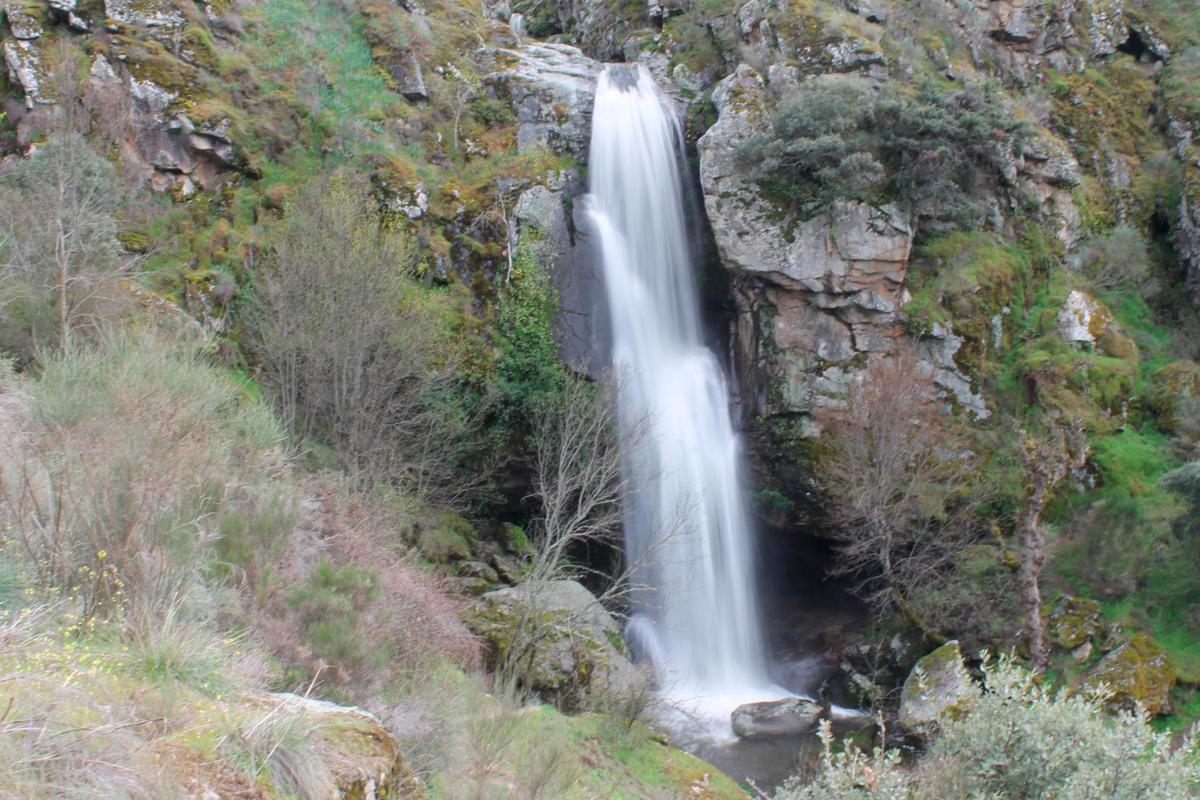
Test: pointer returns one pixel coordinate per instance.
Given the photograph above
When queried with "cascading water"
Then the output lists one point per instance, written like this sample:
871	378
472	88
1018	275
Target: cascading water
687	531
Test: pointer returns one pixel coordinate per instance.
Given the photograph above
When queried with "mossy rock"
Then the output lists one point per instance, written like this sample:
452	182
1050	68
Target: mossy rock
1072	621
562	642
1176	386
938	688
1137	672
444	537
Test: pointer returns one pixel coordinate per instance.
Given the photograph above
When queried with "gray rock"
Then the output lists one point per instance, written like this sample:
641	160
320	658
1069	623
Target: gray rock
1082	318
1186	239
409	78
568	640
22	21
552	90
158	14
937	688
788	717
568	246
26	69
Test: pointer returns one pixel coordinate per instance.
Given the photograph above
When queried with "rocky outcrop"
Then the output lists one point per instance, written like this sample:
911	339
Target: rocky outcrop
27	70
817	298
1186	239
1082	319
558	639
1138	673
158	16
549	219
937	688
552	88
788	717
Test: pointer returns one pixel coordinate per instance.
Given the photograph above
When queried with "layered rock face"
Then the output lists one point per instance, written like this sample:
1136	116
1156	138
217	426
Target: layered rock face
817	298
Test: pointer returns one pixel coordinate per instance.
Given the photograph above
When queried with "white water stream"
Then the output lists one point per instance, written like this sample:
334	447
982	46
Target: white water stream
687	530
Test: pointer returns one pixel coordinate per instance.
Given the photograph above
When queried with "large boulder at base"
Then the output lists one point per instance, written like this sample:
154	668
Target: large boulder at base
1072	621
937	688
1136	672
787	717
566	644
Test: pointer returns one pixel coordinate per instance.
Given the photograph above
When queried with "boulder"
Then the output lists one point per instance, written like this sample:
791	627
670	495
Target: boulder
1072	622
937	688
788	717
23	20
1137	672
566	644
365	758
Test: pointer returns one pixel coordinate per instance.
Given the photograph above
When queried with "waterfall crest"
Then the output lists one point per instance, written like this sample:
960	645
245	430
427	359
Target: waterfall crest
687	531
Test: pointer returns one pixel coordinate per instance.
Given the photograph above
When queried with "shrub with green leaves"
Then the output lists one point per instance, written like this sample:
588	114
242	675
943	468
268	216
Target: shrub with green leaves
840	136
1020	739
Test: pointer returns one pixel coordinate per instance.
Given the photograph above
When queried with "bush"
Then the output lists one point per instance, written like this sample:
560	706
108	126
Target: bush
527	373
1019	740
355	351
840	136
1116	259
119	465
59	254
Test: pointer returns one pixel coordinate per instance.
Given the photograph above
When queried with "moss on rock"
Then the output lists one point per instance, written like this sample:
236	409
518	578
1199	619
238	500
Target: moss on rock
1137	672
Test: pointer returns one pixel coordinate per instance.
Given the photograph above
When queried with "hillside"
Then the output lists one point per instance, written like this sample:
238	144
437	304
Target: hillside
315	446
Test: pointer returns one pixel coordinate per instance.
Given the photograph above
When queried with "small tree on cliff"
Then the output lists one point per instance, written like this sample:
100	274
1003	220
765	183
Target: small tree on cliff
901	487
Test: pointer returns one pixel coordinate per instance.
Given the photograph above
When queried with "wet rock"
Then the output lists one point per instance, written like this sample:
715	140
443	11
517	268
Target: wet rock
1137	672
570	646
1082	318
566	242
1072	622
937	688
787	717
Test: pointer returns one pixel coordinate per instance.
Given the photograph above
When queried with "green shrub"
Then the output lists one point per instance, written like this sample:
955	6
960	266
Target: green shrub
1019	740
839	136
328	605
527	371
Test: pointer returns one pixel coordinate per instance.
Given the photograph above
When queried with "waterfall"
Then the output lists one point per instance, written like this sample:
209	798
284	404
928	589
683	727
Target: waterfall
687	531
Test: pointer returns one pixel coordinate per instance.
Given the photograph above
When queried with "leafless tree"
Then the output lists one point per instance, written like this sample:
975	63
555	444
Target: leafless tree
354	354
578	488
1048	461
60	255
900	486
